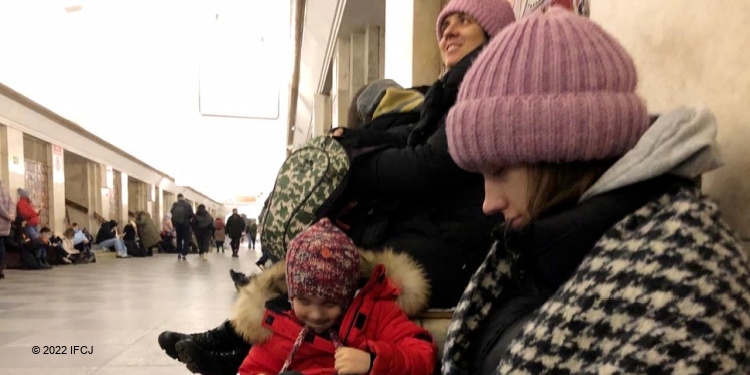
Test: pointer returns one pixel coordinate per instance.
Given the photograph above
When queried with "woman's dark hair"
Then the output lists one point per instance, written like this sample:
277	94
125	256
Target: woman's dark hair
551	185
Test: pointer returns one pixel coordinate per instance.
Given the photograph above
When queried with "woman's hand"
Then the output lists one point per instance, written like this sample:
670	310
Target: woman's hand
350	361
338	132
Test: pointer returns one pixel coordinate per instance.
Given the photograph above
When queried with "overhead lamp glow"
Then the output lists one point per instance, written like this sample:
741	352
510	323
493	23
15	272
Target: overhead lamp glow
73	8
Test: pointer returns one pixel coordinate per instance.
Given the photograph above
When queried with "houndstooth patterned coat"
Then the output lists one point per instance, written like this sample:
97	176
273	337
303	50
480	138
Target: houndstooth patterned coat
664	291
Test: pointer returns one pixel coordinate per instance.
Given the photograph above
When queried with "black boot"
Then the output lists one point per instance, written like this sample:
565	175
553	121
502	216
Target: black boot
234	253
221	338
168	339
42	263
207	362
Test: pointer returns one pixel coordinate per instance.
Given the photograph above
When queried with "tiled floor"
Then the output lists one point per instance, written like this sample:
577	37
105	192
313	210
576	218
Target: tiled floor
117	307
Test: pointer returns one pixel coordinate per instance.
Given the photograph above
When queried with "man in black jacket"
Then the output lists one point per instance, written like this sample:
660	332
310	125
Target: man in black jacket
182	215
234	229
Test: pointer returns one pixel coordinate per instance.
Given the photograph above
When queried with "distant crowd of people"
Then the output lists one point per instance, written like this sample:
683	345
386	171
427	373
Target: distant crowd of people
40	248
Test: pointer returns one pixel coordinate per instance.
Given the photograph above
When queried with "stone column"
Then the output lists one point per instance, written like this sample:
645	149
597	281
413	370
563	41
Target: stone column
357	63
11	155
340	83
159	201
151	201
56	188
372	54
125	192
321	114
108	192
97	192
411	53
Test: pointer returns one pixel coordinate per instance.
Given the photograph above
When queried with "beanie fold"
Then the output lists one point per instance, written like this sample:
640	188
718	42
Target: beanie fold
491	15
544	128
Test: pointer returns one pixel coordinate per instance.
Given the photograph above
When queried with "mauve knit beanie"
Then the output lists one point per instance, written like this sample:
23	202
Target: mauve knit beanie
491	15
323	262
554	87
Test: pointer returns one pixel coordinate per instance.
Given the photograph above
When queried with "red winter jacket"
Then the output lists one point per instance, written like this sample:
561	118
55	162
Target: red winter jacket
27	212
374	323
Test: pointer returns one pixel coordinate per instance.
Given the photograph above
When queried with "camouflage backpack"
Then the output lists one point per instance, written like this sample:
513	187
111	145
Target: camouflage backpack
306	188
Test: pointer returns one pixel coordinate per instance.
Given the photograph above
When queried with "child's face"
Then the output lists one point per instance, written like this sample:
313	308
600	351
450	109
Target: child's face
316	313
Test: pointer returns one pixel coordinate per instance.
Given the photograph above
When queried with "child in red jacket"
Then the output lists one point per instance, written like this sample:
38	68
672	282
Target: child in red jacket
330	328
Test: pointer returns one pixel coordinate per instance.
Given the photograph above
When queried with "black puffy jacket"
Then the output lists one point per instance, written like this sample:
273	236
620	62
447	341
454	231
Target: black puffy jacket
438	219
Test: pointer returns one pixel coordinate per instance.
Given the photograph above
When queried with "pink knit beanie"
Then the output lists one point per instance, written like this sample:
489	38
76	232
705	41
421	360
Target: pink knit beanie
554	88
491	15
323	262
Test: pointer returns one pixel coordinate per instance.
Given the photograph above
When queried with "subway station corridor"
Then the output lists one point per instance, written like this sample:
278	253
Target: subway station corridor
118	307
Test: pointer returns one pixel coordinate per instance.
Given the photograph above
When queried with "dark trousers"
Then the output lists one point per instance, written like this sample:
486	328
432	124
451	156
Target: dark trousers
2	252
235	243
203	241
183	238
251	241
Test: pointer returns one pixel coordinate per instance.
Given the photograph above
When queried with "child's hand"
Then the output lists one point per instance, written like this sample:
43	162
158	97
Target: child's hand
350	361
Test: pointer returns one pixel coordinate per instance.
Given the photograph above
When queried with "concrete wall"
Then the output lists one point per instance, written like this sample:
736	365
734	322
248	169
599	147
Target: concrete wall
695	52
11	142
77	187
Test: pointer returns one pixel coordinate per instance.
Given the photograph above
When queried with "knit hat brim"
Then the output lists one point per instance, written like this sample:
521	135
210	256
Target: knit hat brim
546	117
491	15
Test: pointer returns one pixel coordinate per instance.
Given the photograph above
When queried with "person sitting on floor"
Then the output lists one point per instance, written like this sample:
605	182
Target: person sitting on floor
69	253
132	239
107	237
33	252
81	242
45	240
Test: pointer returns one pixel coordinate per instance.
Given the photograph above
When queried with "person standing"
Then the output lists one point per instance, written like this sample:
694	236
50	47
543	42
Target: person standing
7	215
28	214
147	230
182	215
203	225
219	234
252	232
234	229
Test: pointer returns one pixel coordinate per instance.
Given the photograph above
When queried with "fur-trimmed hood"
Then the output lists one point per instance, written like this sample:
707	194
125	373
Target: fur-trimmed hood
402	270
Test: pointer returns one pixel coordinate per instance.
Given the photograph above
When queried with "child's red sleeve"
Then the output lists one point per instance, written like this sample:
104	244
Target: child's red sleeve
400	345
261	360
